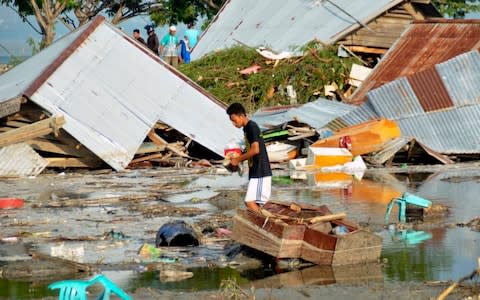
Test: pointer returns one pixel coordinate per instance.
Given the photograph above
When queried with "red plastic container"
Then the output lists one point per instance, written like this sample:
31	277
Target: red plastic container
9	203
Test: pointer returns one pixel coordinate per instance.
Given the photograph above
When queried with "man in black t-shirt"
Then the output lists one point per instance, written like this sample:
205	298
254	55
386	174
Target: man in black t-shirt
259	173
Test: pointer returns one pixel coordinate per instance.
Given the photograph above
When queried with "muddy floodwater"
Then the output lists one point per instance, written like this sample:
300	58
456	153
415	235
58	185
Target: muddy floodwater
103	218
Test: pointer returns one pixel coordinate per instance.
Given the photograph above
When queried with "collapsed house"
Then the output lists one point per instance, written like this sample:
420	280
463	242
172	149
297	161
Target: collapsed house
423	45
370	26
95	94
427	83
440	109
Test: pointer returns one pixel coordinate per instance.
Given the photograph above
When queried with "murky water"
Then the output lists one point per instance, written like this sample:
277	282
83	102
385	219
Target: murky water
436	252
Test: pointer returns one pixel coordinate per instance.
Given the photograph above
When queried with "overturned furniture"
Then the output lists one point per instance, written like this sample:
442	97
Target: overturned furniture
309	232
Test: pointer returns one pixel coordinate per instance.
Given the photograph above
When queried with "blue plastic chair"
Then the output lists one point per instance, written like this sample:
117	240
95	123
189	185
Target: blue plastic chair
402	202
77	289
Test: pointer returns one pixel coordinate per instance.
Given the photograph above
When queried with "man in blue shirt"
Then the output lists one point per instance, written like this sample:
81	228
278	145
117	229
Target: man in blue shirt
192	35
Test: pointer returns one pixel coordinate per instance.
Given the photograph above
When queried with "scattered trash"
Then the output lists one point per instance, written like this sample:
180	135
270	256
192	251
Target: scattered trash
174	275
77	289
273	56
250	70
70	253
11	203
405	200
176	233
149	252
280	152
114	235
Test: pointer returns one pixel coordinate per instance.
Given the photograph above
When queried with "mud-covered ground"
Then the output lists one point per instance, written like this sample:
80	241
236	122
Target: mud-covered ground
102	218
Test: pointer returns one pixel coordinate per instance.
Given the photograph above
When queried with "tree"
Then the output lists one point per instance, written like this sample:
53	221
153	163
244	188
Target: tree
457	8
119	11
185	11
46	13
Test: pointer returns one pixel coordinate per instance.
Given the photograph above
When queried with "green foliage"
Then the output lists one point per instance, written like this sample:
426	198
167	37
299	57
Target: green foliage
219	74
457	8
186	11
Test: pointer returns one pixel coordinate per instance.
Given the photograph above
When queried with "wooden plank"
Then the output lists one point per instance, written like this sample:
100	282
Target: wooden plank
17	124
72	162
31	131
45	145
328	218
10	107
150	148
412	11
161	142
367	49
147	157
79	149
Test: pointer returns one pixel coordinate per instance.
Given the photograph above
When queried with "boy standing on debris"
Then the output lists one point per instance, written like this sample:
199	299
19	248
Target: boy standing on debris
259	173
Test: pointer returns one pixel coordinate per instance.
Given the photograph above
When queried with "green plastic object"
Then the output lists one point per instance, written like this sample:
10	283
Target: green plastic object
271	135
77	289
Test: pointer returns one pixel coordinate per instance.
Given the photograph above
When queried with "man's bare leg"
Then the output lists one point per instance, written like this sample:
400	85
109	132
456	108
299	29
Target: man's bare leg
253	206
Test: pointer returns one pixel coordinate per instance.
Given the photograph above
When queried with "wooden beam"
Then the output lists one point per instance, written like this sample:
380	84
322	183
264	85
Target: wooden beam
161	142
147	157
149	148
31	131
366	49
71	162
53	147
411	10
10	107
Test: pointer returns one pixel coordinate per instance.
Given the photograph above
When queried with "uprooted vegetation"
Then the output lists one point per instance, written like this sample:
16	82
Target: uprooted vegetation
219	73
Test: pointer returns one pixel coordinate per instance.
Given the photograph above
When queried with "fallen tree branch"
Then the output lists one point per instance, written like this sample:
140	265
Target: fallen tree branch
470	276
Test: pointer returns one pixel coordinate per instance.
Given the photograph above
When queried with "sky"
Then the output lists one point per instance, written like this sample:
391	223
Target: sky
14	33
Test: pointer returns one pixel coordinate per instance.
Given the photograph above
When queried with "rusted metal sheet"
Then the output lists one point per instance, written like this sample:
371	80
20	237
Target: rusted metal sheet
285	25
421	46
20	160
430	90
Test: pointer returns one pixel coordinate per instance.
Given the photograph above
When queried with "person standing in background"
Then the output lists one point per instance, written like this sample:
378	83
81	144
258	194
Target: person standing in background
185	50
152	40
138	37
168	47
192	35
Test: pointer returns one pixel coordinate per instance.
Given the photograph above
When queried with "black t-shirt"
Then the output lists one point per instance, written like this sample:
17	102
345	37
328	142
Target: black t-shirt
258	165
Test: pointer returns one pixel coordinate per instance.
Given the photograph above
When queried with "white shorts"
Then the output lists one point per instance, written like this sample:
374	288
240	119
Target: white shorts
259	190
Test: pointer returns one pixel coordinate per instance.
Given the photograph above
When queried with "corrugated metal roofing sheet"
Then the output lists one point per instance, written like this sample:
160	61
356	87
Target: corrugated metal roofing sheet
461	76
359	115
20	160
16	80
430	90
285	24
454	129
110	105
317	114
395	100
421	46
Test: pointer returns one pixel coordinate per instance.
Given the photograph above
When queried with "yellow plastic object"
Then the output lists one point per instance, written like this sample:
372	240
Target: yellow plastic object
365	138
325	157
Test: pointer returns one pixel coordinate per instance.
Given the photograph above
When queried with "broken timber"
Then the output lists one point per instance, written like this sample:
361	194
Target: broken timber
28	132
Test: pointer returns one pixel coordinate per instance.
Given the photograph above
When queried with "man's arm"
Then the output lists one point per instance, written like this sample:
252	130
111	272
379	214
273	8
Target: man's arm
254	150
